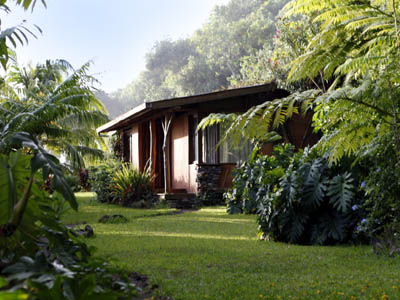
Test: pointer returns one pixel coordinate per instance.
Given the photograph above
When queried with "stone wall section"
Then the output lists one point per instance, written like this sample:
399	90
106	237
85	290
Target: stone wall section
208	177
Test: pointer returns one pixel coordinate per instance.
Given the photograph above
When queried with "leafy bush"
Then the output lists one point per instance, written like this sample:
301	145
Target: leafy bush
62	267
39	256
259	175
101	180
73	182
132	187
299	197
382	185
316	203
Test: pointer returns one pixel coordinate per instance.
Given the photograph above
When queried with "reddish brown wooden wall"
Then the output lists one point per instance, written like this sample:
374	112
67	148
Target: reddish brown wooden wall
135	146
297	131
180	153
183	174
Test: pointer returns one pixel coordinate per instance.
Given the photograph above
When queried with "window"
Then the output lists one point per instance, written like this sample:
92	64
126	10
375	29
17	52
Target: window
193	140
210	141
228	153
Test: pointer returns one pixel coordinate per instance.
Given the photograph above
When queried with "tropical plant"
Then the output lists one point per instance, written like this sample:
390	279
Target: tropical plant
101	180
315	203
17	33
357	45
62	113
381	185
39	257
61	266
132	188
256	177
20	186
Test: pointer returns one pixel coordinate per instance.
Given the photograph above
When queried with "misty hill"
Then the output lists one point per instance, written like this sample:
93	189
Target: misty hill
211	59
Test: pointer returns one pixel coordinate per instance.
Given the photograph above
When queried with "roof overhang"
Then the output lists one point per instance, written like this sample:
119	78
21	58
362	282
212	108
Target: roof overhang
149	107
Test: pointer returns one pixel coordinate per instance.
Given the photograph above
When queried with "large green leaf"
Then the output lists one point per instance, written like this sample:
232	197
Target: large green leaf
48	163
315	184
14	171
290	185
341	192
329	226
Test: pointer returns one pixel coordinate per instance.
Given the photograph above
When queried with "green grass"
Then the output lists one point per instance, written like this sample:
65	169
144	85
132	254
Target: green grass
208	254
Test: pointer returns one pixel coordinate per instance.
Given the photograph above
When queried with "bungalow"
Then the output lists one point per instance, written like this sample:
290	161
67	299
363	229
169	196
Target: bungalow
194	166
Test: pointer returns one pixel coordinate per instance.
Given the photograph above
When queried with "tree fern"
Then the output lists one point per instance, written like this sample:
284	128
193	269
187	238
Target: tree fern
257	122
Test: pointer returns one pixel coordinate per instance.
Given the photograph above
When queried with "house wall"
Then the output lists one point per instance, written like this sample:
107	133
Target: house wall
299	131
180	153
193	178
134	155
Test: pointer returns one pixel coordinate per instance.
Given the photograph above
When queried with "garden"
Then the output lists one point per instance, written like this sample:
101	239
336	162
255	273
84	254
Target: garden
209	254
313	223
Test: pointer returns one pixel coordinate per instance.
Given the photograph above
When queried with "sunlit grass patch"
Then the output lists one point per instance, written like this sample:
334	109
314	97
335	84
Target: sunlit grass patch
90	211
207	254
85	197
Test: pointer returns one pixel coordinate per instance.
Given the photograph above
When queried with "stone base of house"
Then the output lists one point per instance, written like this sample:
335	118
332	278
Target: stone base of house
208	182
180	200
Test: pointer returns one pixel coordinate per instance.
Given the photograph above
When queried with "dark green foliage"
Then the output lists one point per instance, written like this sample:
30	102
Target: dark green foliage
312	205
381	185
388	242
357	47
101	179
62	267
73	182
42	258
256	178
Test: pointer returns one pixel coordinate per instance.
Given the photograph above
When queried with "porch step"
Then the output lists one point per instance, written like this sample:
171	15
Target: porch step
180	200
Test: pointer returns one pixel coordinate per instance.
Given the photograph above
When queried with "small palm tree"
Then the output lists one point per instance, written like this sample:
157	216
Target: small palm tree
57	105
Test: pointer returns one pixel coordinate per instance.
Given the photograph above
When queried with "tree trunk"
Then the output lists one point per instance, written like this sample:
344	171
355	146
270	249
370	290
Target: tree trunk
166	125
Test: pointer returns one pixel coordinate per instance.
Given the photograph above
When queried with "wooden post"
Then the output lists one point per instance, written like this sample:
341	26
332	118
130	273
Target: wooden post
166	123
200	146
150	166
154	150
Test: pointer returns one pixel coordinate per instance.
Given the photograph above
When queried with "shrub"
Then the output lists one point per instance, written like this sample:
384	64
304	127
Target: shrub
61	266
381	185
40	258
316	203
101	180
73	182
259	175
132	187
300	197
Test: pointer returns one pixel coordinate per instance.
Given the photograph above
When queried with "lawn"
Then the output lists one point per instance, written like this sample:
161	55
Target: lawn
208	254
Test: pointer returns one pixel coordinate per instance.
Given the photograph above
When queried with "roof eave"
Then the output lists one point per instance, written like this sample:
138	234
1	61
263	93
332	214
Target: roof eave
113	124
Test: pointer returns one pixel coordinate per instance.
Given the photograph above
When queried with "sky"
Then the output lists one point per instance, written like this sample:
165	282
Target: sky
115	34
